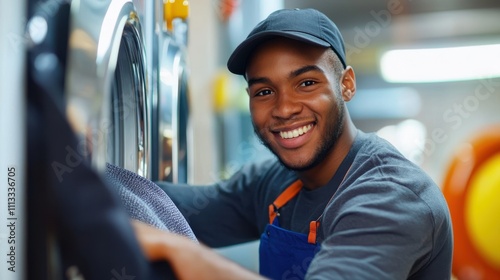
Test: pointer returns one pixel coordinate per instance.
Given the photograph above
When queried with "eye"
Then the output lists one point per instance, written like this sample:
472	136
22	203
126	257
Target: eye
307	83
263	92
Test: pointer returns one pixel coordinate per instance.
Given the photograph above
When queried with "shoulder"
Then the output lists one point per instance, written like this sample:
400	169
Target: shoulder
385	191
380	163
388	219
381	172
385	187
379	167
379	152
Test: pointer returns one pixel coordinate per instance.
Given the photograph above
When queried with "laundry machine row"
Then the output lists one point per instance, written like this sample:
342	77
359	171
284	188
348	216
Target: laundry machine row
127	87
125	79
105	81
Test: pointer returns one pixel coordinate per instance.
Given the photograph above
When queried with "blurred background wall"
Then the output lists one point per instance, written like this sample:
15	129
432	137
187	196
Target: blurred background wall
450	111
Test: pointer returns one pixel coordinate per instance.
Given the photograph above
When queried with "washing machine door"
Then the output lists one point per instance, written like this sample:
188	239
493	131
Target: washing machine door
106	84
172	112
84	74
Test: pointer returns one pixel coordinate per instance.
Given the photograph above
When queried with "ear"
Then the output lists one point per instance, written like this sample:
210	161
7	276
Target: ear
348	84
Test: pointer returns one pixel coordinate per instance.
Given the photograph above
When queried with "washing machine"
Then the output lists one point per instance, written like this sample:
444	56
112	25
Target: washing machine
171	134
136	114
106	84
89	101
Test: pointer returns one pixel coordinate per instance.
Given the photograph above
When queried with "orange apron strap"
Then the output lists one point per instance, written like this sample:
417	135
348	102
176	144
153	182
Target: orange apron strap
313	229
283	198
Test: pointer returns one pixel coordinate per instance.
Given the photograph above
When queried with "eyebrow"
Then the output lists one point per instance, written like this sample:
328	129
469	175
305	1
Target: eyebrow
292	74
305	69
253	81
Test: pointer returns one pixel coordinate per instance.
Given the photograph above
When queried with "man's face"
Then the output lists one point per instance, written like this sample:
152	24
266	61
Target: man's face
295	102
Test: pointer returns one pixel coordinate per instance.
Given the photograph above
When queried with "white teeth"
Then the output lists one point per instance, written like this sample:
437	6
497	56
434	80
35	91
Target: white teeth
296	132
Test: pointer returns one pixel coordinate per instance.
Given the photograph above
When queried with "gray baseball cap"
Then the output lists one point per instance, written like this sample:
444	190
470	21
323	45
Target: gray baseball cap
306	25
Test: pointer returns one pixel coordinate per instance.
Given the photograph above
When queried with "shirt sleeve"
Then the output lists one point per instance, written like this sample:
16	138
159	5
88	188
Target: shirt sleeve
374	231
228	212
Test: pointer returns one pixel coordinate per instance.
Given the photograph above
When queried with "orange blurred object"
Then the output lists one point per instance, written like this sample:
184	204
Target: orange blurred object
472	191
227	8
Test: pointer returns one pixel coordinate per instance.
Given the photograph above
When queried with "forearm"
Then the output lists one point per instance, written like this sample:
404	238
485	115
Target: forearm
189	260
194	261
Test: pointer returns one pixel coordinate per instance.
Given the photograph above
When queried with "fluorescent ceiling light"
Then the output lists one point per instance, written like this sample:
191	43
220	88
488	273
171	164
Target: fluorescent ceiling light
441	64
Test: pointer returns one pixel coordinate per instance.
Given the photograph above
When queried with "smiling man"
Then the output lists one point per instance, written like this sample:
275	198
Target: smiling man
297	106
336	203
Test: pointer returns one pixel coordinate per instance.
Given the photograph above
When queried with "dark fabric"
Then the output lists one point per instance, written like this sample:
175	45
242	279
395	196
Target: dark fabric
145	201
76	225
388	219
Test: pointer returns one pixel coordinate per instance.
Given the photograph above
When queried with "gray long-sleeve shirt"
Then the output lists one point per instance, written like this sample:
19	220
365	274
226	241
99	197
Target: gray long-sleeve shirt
387	220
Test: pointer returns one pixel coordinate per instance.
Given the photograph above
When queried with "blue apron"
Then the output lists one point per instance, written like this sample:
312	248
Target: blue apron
284	254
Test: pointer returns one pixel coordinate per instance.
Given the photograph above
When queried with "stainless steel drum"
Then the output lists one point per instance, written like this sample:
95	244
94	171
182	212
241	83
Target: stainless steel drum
173	114
106	88
171	133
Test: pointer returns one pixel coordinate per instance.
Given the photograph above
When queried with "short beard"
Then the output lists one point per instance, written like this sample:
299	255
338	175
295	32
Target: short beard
333	133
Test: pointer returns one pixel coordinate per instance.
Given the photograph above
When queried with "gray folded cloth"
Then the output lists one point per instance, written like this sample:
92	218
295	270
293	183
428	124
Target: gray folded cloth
146	202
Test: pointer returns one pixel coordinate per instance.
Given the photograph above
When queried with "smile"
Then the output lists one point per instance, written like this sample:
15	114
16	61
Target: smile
296	132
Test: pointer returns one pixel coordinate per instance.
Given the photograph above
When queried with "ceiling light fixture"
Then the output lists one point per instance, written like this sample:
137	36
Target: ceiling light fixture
441	64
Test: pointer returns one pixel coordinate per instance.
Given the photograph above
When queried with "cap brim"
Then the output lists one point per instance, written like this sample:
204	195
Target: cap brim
237	62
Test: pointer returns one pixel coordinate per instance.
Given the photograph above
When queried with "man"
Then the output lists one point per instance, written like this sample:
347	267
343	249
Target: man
336	203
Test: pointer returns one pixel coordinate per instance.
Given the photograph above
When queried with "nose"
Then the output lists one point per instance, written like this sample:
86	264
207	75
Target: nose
286	106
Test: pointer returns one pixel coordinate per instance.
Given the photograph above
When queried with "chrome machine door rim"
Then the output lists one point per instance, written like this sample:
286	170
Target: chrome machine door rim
173	92
98	31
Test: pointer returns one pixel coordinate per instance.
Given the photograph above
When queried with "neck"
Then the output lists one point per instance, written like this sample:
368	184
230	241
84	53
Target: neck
319	175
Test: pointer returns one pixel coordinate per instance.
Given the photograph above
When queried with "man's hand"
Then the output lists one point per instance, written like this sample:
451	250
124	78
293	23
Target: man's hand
188	259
